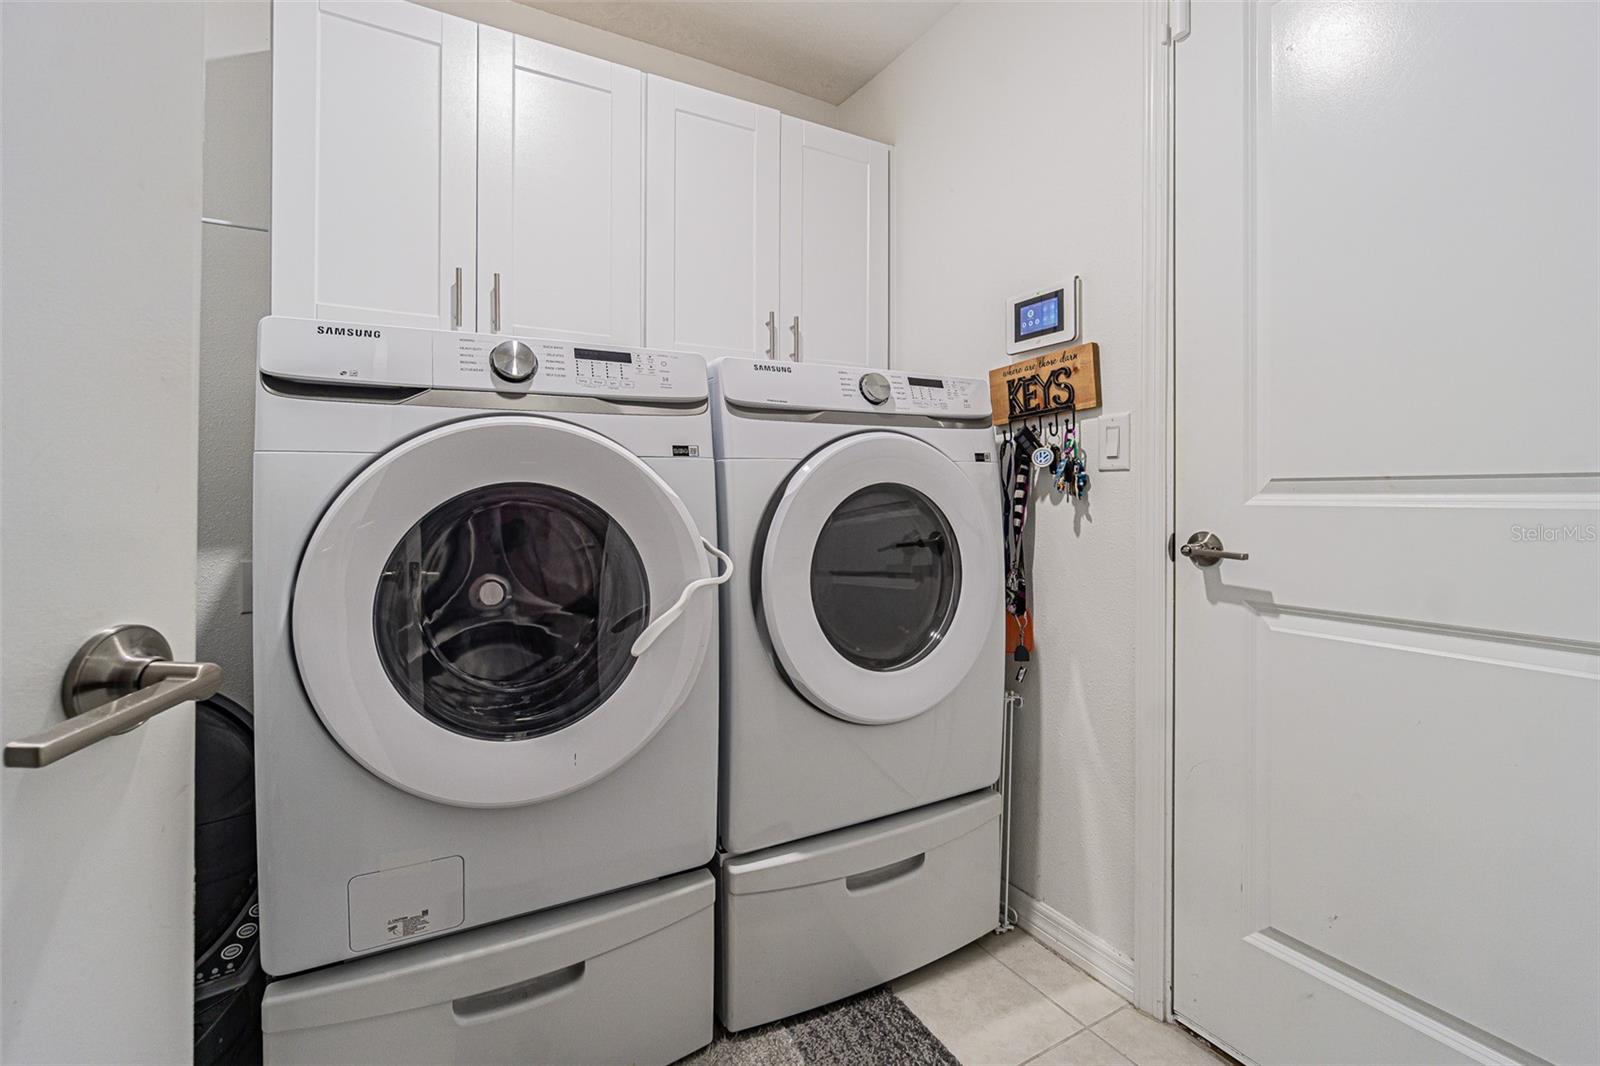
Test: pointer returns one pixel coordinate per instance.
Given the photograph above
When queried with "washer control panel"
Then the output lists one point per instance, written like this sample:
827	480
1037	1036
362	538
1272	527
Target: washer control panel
775	385
308	350
488	361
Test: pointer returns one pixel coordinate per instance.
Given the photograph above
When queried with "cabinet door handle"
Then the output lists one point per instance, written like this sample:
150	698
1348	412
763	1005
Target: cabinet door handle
455	302
494	305
795	329
772	334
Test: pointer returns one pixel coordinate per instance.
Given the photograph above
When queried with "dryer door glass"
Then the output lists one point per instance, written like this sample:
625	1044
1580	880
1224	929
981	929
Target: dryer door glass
508	612
885	576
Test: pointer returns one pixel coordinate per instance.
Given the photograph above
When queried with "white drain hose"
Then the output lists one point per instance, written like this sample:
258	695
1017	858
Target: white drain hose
670	615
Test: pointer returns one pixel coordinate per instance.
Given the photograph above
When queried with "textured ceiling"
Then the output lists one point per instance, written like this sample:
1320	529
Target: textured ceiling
825	50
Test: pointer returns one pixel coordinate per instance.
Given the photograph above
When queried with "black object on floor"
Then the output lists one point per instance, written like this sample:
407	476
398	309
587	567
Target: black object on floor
872	1029
228	981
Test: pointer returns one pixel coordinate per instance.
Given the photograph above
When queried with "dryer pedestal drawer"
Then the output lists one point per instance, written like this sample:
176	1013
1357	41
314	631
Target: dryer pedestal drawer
622	978
811	922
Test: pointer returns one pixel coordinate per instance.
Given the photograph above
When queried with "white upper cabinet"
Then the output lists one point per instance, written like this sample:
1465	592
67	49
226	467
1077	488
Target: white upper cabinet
374	163
560	193
711	236
431	172
835	250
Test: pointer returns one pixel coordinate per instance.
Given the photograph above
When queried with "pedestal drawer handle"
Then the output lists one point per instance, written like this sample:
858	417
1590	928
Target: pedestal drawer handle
884	874
514	997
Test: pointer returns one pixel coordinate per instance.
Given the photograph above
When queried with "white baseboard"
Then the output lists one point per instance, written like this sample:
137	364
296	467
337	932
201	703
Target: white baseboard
1074	943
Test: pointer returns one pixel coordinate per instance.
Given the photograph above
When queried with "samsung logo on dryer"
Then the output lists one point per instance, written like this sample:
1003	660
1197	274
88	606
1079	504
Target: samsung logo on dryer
349	331
775	368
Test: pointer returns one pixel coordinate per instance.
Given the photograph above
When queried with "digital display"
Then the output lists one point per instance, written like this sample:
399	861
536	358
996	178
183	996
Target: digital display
603	356
926	383
1039	316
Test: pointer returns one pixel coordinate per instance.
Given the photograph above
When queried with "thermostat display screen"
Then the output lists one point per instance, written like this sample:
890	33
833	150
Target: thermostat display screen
1039	316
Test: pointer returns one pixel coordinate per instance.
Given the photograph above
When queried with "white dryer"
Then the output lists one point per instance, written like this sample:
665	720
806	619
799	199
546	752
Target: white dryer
863	660
863	675
486	678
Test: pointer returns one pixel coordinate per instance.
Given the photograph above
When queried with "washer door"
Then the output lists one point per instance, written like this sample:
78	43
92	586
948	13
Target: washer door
465	612
880	577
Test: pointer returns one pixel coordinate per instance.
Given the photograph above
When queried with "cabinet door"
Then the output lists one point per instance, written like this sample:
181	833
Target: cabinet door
835	240
560	193
711	230
374	119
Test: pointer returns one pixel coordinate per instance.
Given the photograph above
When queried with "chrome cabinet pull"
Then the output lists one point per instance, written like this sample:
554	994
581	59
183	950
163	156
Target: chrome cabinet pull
455	302
494	305
772	334
795	329
118	680
1205	549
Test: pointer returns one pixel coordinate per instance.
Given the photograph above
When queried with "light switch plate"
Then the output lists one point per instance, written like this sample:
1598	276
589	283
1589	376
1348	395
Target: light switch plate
1116	443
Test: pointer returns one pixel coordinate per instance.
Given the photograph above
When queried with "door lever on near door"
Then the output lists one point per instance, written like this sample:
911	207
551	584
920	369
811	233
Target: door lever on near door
1205	549
116	681
670	615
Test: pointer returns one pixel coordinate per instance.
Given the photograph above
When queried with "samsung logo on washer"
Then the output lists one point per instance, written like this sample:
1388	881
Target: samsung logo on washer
775	368
349	331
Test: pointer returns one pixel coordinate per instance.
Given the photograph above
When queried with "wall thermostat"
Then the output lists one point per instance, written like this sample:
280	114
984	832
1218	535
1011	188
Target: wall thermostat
1041	318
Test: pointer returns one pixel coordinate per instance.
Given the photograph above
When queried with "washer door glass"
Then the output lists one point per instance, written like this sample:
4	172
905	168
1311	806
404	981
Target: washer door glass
885	576
508	612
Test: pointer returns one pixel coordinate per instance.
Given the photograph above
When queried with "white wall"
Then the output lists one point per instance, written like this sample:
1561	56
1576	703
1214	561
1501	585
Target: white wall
234	295
1017	133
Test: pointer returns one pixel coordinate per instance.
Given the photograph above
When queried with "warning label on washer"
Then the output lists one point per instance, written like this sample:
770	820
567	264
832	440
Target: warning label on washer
420	899
408	925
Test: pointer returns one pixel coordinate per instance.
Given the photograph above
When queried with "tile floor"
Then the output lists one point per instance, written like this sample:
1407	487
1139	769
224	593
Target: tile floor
1008	1000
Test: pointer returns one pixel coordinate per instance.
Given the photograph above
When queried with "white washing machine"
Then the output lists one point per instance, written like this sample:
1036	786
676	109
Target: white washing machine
863	677
486	679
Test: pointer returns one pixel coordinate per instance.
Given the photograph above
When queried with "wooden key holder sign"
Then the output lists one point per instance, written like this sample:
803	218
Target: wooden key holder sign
1040	384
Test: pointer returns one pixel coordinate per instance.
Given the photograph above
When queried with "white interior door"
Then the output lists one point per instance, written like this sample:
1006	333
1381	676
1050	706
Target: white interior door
1388	719
711	222
835	240
560	193
99	295
374	128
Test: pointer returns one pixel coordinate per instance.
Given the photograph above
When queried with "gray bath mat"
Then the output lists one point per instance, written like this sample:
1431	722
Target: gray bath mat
872	1029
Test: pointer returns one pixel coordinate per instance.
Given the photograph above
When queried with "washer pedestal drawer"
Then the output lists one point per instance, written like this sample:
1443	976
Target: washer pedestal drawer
624	977
807	923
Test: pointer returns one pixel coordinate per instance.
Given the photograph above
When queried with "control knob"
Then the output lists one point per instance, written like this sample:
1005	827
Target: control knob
875	389
513	361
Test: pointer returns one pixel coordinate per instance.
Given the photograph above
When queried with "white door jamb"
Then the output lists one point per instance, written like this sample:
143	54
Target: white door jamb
1153	607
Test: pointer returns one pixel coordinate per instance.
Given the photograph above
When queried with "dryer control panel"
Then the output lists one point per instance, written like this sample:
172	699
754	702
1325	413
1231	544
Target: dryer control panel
774	385
308	350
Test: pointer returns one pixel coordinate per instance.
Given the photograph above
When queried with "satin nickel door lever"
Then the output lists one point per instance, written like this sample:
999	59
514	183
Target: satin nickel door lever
118	680
1205	549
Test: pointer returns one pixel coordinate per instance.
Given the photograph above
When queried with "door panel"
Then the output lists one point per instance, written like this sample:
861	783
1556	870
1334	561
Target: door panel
561	187
100	211
835	230
1388	719
711	241
374	127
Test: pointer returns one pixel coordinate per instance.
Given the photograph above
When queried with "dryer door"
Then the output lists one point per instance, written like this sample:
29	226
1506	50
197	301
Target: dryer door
880	577
466	611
